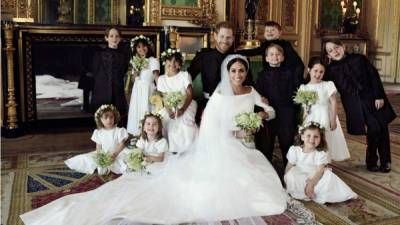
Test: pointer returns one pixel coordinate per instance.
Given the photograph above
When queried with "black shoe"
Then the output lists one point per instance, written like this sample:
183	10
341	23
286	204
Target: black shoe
385	168
373	168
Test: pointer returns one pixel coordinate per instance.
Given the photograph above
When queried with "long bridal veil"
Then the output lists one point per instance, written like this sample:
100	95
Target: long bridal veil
218	179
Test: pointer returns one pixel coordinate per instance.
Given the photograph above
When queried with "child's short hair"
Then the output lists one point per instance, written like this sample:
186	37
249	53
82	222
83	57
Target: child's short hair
107	31
223	24
278	47
314	61
145	41
171	53
312	126
159	120
273	24
106	109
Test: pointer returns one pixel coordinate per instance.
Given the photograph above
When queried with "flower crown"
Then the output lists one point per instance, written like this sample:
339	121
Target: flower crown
171	51
303	127
140	37
155	114
102	109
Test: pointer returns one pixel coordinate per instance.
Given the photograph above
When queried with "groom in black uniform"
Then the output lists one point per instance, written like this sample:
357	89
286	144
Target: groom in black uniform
208	62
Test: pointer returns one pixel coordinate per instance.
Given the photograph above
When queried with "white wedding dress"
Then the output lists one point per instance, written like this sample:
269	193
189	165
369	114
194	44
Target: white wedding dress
217	179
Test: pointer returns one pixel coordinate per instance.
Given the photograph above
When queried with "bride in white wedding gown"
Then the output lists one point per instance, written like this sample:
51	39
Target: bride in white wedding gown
218	179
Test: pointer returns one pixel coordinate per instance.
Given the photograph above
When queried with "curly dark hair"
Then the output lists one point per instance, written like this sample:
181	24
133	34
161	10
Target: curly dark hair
159	132
322	145
177	55
145	43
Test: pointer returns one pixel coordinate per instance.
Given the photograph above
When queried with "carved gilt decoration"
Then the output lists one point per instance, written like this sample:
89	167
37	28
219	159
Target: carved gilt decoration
289	16
204	12
11	100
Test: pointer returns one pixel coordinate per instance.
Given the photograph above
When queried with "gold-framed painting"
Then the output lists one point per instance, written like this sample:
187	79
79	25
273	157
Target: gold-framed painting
201	12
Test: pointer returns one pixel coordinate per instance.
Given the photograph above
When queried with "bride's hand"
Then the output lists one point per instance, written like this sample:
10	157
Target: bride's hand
241	133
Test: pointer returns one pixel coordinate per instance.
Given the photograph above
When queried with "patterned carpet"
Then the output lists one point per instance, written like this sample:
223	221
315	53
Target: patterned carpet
31	180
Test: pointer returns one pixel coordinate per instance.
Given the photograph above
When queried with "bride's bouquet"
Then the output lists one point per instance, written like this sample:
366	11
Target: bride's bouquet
103	160
306	99
250	122
135	160
174	100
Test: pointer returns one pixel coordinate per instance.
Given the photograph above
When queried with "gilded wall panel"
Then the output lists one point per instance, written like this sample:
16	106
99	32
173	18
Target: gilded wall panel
289	15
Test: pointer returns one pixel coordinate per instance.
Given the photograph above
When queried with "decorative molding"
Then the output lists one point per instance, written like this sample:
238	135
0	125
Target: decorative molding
289	15
204	13
262	11
115	11
31	93
11	100
152	12
208	17
91	12
8	9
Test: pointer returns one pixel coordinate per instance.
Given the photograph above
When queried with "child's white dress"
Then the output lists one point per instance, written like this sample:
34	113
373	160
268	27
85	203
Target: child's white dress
108	139
142	89
330	188
154	148
181	131
320	113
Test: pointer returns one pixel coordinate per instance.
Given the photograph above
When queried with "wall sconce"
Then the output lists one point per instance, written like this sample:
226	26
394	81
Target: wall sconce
350	16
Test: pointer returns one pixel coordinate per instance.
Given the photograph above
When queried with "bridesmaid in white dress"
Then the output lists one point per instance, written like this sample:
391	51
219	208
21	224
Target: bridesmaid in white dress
109	138
219	179
180	126
154	145
306	175
143	86
324	111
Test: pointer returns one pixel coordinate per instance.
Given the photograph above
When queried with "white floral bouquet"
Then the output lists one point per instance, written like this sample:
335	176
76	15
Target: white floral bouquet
138	63
174	100
103	159
249	121
135	160
306	99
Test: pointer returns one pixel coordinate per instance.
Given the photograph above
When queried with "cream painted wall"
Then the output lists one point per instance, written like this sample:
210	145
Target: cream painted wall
383	27
383	24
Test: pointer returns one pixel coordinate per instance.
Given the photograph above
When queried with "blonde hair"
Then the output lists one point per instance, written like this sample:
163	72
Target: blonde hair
278	47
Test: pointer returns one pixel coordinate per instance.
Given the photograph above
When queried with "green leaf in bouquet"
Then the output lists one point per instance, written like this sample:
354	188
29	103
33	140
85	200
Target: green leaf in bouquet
103	159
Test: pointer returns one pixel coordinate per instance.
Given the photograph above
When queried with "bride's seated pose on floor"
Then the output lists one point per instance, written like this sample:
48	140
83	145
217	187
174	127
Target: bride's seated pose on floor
217	179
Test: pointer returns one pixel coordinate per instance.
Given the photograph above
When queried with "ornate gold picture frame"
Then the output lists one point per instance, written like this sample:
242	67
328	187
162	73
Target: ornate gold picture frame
201	12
